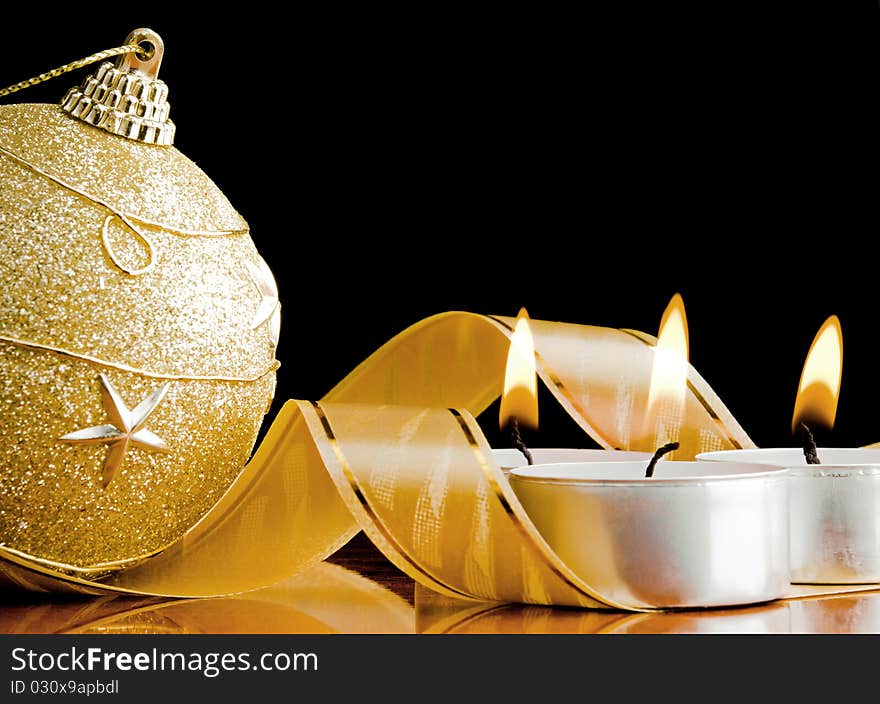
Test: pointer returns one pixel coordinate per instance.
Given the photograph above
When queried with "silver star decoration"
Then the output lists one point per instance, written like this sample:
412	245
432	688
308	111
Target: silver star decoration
270	307
126	428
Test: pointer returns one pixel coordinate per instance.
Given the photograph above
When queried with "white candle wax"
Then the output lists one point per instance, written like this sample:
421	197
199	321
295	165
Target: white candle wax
509	458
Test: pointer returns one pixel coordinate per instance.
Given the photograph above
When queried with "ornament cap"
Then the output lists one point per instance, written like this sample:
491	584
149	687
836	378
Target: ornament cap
127	99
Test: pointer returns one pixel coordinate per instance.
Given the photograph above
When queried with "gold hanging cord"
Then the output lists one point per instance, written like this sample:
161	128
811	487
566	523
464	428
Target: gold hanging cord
144	52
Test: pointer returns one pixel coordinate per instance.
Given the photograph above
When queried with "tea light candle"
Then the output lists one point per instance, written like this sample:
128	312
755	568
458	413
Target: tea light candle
695	534
834	511
689	535
835	505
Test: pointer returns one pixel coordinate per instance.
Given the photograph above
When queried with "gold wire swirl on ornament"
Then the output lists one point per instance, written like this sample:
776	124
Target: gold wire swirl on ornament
125	219
74	65
105	239
114	215
275	364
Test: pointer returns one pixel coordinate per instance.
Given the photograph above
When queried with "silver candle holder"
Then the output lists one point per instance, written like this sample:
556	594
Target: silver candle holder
834	511
696	534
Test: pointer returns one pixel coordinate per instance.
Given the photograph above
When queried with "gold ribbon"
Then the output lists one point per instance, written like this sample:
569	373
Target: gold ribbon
394	450
296	605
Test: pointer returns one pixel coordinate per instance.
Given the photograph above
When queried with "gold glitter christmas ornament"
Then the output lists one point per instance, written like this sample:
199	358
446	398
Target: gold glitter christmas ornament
138	325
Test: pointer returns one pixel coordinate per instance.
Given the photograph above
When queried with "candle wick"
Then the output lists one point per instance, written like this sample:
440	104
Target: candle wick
518	441
810	454
668	447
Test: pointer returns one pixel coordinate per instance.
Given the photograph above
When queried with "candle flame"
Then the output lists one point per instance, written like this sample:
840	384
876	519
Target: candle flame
819	389
670	369
520	397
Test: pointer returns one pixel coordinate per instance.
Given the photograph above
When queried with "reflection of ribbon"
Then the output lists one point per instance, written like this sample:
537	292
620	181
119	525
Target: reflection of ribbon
383	453
297	605
848	613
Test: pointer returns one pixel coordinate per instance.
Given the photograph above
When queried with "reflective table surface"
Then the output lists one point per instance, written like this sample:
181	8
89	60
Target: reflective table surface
359	591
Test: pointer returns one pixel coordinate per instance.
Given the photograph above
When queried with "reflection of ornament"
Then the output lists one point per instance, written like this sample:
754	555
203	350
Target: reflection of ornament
119	257
269	308
126	428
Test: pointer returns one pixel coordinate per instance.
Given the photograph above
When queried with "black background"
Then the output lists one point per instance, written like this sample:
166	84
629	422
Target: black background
586	166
